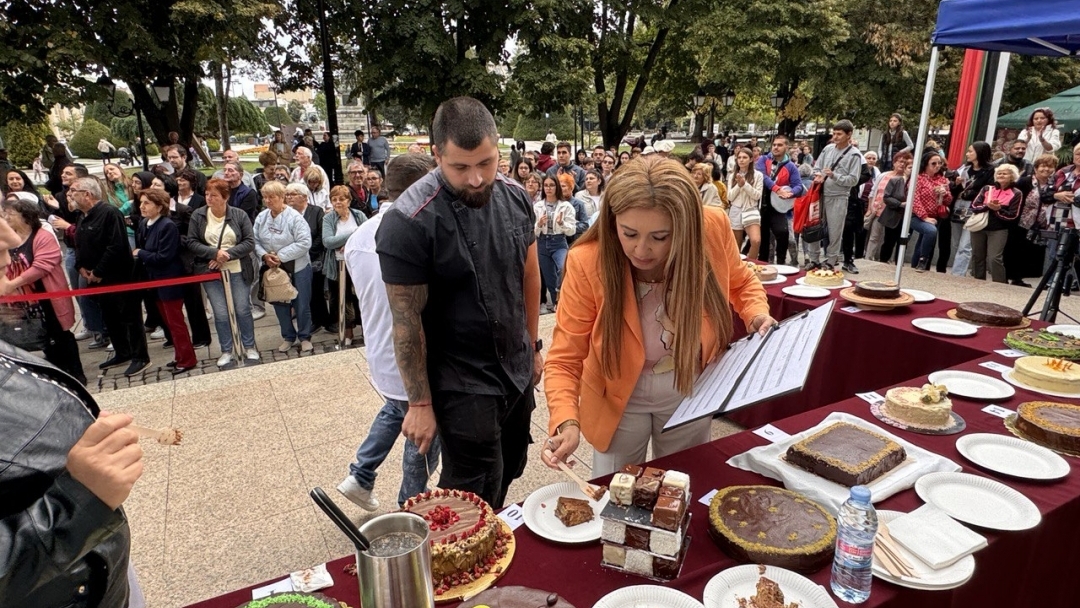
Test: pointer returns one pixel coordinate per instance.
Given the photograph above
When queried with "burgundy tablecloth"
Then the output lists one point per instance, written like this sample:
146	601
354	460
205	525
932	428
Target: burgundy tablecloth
1029	568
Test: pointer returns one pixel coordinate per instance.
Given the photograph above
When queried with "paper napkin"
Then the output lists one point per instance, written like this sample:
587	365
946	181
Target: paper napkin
312	579
934	537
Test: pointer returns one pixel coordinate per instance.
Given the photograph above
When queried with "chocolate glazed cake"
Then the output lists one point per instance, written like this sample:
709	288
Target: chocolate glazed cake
989	313
774	526
877	290
1054	425
847	454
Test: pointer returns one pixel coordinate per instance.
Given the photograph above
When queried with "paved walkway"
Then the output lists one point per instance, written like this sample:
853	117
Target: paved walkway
229	507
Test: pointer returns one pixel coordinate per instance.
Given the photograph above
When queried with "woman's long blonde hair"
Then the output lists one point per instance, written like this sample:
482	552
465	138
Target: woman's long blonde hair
651	182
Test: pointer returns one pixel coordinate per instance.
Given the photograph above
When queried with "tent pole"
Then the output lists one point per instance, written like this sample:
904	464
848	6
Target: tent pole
920	143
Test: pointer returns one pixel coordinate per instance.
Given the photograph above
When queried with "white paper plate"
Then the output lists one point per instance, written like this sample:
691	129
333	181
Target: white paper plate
1012	379
647	596
725	589
806	291
844	285
779	279
944	327
785	269
929	579
539	511
919	295
1068	330
973	385
978	501
1012	456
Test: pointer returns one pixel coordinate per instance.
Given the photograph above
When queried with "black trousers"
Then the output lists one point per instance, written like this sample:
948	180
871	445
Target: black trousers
774	225
944	243
889	242
853	240
123	318
62	350
485	441
321	315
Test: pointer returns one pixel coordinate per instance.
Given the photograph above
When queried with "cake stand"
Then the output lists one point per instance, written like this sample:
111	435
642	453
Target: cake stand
879	304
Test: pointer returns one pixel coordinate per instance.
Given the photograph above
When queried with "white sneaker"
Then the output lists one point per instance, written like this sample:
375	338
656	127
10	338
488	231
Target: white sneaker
360	496
224	359
157	334
306	347
286	346
257	313
109	347
251	354
83	335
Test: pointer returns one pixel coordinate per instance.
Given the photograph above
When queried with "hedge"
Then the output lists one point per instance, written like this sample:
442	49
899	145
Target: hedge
84	143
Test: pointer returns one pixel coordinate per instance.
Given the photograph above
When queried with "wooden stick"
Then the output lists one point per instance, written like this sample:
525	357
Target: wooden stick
886	561
162	436
883	530
894	556
593	492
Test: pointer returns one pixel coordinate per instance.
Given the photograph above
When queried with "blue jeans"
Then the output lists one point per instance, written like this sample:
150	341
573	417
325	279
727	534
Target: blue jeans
552	252
301	280
924	247
385	429
215	292
88	308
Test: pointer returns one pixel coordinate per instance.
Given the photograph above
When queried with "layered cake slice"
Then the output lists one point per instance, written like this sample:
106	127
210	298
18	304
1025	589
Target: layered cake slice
877	290
989	313
573	511
847	454
823	277
1048	373
928	407
1053	425
774	526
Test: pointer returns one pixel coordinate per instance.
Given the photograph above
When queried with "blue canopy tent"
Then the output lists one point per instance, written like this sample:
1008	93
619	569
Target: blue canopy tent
993	25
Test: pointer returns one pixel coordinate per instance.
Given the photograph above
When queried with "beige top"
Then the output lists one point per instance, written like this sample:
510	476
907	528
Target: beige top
228	238
657	330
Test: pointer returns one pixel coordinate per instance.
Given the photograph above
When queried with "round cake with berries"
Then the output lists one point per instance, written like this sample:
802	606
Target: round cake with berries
465	534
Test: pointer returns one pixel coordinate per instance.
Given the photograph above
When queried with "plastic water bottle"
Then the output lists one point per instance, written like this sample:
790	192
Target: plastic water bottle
856	526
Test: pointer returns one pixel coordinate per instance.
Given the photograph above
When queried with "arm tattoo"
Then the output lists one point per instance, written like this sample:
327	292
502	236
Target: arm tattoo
410	348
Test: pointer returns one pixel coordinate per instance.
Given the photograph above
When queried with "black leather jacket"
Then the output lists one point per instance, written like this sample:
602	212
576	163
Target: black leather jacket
60	546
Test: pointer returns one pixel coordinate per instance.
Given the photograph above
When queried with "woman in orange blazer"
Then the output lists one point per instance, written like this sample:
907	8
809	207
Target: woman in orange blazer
619	365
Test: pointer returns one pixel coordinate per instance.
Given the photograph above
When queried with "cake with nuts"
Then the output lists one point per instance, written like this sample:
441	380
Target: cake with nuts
774	526
645	522
847	454
1043	343
928	407
1048	373
465	534
1052	425
824	277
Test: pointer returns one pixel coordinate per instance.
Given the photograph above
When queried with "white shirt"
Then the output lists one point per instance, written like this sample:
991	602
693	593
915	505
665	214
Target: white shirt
1035	148
322	196
363	264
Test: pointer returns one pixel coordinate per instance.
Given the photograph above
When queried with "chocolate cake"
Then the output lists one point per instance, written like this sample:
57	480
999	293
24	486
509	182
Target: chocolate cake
465	535
1049	424
847	454
988	313
768	594
517	597
1043	343
877	290
573	511
774	526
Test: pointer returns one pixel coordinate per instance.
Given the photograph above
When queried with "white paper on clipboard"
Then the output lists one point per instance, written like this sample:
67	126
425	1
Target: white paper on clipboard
756	369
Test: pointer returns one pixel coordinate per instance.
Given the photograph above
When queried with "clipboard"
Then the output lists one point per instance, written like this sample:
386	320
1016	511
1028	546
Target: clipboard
756	369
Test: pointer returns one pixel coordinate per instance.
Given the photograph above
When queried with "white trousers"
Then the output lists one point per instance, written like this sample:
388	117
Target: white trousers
652	403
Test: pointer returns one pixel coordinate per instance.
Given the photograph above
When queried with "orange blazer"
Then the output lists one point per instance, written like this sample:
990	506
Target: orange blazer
576	388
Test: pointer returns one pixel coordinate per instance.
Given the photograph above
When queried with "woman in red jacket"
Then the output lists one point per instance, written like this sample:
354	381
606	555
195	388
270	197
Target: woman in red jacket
932	200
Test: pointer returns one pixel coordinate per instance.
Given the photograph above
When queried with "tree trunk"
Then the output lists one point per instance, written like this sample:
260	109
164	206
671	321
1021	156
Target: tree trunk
699	124
162	118
222	105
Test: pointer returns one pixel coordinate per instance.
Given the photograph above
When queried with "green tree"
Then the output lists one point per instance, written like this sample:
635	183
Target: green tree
244	117
125	130
536	128
23	142
1033	79
84	143
320	104
277	116
295	110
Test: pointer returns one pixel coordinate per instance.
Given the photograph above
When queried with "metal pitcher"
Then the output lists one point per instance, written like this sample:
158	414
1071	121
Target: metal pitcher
401	581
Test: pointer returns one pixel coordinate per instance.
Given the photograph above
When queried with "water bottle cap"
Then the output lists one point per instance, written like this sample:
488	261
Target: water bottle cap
860	493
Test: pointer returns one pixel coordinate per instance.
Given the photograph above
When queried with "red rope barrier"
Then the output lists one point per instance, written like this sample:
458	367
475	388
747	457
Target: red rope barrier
96	291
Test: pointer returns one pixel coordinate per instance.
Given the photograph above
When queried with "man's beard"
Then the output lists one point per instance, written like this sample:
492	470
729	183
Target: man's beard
475	199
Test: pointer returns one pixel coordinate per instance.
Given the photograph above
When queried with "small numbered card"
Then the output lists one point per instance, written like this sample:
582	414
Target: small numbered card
707	498
995	366
513	516
997	410
771	433
1011	353
871	397
851	309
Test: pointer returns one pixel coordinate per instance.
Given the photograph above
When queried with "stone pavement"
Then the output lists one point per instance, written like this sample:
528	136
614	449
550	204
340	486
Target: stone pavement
229	507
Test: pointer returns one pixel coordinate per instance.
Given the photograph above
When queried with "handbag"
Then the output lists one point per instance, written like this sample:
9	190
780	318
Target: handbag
277	287
977	221
23	325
